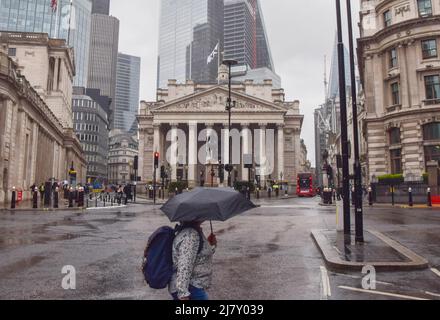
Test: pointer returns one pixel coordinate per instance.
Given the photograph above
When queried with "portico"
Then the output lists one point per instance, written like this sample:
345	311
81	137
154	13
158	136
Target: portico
191	134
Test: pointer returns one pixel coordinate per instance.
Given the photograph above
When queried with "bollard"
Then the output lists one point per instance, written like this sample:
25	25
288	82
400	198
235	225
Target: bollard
370	196
111	200
258	193
353	197
248	193
71	198
96	201
269	192
55	198
13	198
277	192
105	198
429	197
35	198
392	196
410	200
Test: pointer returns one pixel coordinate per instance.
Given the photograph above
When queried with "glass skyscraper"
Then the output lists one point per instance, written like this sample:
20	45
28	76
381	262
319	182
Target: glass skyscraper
128	74
38	16
189	32
245	34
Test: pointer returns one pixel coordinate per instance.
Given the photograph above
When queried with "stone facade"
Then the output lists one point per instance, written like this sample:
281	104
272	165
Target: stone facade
48	65
400	66
188	126
34	145
123	148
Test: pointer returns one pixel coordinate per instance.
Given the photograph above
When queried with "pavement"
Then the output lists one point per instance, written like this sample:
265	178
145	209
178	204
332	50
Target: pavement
265	254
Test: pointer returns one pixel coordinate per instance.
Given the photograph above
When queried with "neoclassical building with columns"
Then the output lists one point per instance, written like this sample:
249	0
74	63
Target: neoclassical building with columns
188	125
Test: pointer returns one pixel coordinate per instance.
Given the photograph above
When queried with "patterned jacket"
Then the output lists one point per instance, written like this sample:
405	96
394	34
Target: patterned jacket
190	267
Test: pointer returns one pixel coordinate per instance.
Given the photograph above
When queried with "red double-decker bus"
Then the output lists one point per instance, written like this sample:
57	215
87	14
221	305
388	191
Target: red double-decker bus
305	186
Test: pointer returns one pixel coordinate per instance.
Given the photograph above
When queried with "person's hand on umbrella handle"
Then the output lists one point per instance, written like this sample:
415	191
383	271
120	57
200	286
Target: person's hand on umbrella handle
212	239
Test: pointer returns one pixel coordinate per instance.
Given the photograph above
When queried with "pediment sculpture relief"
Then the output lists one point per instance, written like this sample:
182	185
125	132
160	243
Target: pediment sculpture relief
214	103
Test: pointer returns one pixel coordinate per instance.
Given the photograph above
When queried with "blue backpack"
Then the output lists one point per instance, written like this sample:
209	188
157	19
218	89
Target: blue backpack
157	265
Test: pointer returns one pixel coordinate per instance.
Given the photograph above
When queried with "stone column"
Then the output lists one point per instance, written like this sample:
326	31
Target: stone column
280	143
173	155
192	154
245	150
225	144
157	148
262	153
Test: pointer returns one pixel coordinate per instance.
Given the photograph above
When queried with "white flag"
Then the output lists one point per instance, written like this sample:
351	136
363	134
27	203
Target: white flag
213	54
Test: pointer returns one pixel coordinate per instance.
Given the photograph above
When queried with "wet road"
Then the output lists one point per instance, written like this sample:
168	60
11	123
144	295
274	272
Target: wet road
265	254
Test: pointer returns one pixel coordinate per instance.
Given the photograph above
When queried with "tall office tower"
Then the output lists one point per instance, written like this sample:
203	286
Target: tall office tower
70	22
245	34
101	6
189	32
128	72
104	40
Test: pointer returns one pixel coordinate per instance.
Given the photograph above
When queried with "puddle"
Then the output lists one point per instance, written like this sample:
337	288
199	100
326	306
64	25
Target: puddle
18	266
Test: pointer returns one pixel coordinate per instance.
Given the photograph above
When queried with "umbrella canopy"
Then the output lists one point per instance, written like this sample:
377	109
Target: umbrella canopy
204	204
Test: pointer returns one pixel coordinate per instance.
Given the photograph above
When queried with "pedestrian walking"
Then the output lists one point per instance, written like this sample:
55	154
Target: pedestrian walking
192	261
41	189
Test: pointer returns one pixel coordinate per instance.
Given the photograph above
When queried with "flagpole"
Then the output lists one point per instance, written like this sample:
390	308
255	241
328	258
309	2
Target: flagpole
57	27
70	18
218	64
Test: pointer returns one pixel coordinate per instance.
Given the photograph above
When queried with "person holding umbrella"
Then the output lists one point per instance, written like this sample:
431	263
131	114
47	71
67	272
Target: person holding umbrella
192	260
192	252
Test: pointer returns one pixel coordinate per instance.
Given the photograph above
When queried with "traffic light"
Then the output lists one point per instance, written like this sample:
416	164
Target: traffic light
136	163
156	159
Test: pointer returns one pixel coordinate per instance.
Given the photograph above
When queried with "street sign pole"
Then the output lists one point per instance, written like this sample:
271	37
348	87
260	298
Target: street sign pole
344	131
359	223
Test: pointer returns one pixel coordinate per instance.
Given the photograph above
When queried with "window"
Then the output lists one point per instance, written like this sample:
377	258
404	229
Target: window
396	161
425	7
395	94
394	136
431	131
387	18
12	52
432	87
393	58
432	153
429	49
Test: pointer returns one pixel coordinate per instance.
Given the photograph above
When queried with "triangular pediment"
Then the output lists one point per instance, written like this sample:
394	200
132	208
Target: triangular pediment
214	100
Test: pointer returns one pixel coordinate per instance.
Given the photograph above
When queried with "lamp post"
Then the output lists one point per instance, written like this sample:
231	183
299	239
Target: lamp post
357	164
229	106
344	131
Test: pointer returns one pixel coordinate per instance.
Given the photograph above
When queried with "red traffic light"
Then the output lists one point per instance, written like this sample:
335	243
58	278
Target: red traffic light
156	154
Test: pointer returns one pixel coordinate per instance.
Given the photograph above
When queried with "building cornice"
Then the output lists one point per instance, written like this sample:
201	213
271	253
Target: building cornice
398	28
403	113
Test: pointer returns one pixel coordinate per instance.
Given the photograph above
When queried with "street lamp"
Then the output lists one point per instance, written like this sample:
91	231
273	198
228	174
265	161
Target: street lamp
357	164
344	131
229	106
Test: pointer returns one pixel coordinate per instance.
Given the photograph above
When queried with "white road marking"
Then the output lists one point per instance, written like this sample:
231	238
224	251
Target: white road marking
103	208
326	289
432	294
435	271
382	293
358	277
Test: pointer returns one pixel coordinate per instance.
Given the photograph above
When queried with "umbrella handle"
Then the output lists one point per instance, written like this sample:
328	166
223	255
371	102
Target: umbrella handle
212	230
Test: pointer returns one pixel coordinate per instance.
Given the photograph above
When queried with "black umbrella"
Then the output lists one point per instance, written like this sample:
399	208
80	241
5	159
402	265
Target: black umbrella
204	204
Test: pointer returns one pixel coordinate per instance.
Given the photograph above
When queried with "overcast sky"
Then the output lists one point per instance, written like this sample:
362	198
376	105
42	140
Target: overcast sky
300	34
